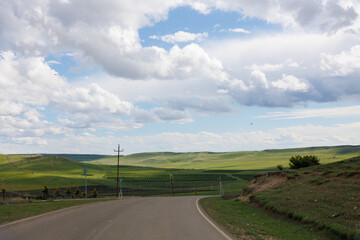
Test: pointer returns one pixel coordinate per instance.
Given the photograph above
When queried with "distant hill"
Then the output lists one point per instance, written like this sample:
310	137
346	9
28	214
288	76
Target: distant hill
243	160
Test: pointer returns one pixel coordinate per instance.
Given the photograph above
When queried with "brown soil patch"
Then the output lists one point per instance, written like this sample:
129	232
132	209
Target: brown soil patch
262	183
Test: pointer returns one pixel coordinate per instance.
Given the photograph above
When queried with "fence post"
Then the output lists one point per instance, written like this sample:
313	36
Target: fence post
3	193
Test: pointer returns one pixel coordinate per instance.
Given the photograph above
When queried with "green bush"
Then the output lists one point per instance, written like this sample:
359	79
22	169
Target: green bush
94	193
77	192
45	192
57	192
68	191
303	161
280	167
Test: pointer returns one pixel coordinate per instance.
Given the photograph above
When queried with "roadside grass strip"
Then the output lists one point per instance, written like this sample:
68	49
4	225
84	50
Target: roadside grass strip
13	212
246	221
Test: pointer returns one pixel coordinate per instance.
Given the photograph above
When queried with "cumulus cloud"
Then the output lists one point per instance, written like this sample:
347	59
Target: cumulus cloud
325	16
280	70
30	80
204	105
181	36
318	61
285	137
291	83
239	30
344	63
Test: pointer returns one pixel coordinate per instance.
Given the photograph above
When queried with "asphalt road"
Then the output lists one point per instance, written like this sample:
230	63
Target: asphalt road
134	218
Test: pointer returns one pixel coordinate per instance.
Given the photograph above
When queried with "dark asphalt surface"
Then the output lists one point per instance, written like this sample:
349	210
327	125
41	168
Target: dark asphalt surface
152	218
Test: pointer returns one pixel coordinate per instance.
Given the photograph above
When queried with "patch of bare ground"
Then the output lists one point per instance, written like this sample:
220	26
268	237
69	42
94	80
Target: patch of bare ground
262	183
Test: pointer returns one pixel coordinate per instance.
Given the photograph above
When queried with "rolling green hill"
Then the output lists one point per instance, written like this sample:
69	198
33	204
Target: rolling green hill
245	160
31	172
24	172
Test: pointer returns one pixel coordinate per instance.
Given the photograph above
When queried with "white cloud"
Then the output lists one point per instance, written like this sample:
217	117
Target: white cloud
239	30
326	16
342	64
286	137
315	113
181	36
291	83
30	80
280	70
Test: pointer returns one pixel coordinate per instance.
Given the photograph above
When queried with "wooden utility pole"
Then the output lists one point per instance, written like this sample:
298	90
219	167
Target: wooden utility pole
117	176
172	184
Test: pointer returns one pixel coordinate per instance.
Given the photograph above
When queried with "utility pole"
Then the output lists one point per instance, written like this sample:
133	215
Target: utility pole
221	188
172	184
85	171
117	176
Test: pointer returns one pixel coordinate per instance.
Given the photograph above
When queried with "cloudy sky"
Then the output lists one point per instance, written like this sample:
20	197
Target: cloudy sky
82	76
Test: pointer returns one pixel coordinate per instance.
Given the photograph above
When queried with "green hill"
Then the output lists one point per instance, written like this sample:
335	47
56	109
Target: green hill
24	172
31	172
327	196
244	160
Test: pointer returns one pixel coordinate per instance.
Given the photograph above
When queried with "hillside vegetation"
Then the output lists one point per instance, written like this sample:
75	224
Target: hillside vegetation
245	160
327	196
32	172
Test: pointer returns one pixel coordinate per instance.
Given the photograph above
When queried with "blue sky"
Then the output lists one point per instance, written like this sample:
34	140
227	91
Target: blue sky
82	76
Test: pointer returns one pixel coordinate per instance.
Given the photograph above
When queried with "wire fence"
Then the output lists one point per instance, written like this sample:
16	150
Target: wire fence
127	189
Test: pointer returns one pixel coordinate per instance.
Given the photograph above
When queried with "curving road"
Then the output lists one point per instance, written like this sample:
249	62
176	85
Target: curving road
152	218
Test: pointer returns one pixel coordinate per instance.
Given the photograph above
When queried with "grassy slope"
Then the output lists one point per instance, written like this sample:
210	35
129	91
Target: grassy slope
245	160
327	196
324	200
22	172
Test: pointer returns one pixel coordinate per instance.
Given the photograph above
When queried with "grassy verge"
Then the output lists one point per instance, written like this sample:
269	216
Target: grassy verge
327	196
14	212
246	221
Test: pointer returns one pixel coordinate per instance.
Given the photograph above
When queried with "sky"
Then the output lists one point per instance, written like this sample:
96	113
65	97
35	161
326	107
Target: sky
83	76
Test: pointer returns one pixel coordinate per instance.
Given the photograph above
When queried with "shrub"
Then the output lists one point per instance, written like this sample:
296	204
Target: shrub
77	192
303	161
68	191
280	167
57	192
94	193
45	192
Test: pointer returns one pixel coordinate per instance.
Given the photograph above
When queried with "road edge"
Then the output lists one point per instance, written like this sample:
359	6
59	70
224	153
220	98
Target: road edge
210	221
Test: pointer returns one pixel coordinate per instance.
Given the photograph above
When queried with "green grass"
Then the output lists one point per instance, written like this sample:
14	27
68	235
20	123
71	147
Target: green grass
327	196
245	160
12	212
29	173
246	221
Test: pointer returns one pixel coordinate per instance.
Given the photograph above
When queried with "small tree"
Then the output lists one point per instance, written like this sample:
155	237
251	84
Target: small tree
45	192
77	192
296	162
94	193
68	191
57	192
280	167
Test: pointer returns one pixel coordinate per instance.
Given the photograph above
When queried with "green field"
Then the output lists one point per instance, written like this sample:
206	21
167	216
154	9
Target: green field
29	173
150	173
245	160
